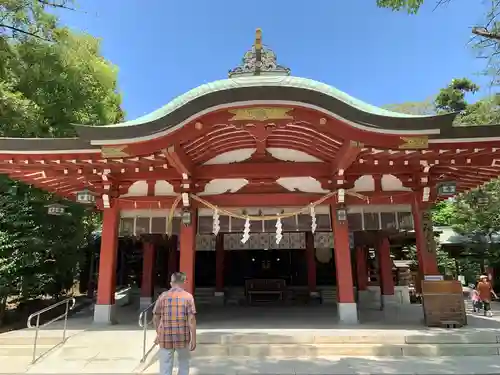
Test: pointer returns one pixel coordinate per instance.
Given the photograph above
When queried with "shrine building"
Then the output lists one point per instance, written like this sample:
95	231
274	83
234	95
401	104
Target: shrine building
264	183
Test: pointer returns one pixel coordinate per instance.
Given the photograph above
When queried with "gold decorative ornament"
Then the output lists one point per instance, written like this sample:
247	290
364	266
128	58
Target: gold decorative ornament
356	144
258	39
322	121
198	126
414	143
114	151
260	114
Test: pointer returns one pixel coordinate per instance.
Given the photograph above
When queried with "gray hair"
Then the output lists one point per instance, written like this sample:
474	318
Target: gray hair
178	278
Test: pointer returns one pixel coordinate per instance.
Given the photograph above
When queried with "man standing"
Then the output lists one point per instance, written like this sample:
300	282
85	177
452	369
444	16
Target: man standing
485	291
175	323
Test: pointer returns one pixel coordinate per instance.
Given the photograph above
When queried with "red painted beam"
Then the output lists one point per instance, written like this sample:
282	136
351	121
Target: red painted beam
269	200
179	160
262	170
347	154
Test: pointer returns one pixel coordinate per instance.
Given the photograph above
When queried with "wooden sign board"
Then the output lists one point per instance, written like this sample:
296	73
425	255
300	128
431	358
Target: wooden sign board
443	301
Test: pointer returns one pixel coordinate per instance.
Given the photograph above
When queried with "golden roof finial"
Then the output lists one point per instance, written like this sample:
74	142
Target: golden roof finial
258	39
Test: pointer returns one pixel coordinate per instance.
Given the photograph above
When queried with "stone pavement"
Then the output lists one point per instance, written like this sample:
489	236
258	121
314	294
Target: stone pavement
289	366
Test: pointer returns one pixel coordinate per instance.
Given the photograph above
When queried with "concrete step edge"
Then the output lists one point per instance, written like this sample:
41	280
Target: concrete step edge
340	345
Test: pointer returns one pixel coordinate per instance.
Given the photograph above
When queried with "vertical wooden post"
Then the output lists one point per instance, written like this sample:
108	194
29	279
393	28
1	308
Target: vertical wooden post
148	265
104	310
426	247
385	269
219	264
188	252
311	263
361	268
347	307
173	262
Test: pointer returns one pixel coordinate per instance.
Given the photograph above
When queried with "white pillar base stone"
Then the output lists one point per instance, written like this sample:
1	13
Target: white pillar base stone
105	314
348	313
403	294
144	302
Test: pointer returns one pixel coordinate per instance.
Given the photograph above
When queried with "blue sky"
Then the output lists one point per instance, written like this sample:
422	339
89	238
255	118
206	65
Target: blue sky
164	48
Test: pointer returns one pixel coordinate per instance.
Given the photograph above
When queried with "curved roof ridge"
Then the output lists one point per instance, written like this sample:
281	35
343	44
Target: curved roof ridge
285	81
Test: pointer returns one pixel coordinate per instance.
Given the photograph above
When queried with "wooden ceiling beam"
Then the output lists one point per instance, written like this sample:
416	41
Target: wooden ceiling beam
347	154
179	160
267	200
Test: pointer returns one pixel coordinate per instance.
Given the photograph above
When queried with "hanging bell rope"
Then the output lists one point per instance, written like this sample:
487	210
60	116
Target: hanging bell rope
265	217
171	215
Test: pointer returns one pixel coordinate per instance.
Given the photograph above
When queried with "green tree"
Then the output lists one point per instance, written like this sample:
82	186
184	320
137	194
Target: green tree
50	78
410	6
424	108
452	97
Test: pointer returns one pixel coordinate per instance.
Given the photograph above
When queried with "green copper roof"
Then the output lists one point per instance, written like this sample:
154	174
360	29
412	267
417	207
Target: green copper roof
274	81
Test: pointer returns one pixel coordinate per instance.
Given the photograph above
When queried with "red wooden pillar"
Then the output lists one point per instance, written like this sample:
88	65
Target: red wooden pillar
361	269
173	264
148	265
311	263
188	252
426	252
104	310
385	269
219	265
347	308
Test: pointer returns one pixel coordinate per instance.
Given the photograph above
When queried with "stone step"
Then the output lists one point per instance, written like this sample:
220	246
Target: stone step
27	340
23	351
350	350
381	339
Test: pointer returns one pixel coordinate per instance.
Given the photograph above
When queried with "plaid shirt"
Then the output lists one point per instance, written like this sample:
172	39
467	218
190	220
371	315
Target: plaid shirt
174	308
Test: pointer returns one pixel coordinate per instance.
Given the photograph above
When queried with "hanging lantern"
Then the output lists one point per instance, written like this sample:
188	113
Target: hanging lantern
342	214
56	209
85	197
186	218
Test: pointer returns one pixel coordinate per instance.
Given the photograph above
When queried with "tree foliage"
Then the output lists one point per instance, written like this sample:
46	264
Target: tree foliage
50	78
410	6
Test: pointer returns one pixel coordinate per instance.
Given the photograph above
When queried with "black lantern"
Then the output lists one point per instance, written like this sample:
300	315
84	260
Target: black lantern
482	198
85	197
186	217
341	214
56	209
447	189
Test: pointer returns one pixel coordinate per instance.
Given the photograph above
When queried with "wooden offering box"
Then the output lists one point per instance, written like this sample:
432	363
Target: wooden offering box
443	303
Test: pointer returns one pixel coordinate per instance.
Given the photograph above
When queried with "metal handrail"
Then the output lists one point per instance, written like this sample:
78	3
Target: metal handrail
144	323
38	326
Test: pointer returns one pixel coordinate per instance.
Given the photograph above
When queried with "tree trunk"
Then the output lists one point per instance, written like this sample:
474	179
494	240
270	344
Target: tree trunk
3	309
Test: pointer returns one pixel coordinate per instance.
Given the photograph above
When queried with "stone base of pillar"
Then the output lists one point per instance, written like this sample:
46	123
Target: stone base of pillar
348	313
105	314
403	294
144	302
219	298
390	300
